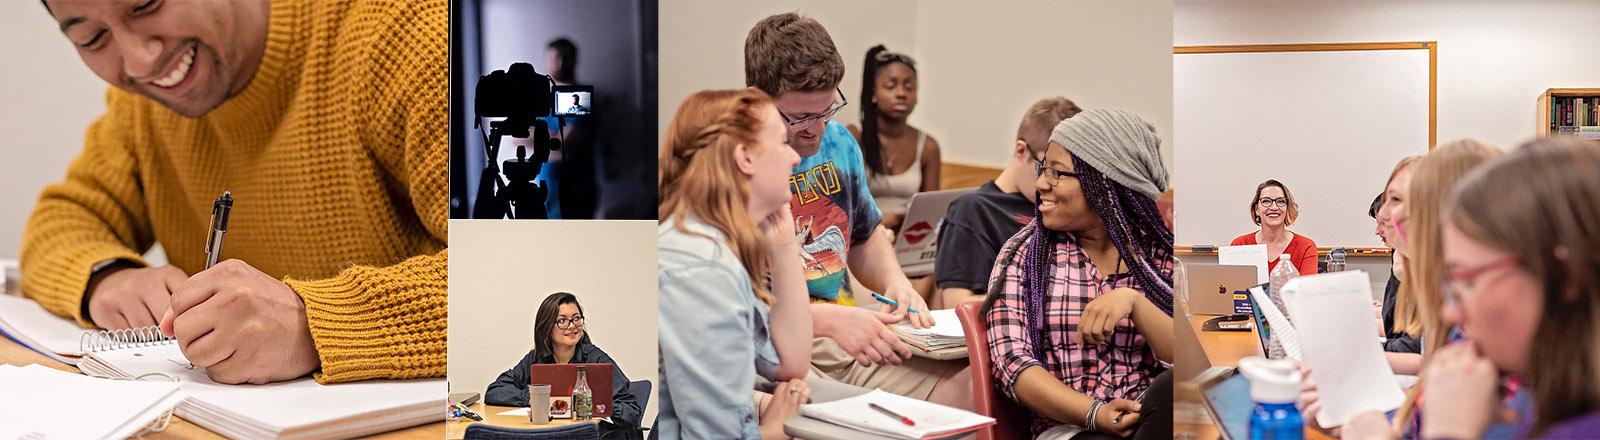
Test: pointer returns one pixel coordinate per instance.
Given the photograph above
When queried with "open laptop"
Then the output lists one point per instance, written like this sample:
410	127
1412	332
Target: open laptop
1218	289
563	377
917	244
1263	328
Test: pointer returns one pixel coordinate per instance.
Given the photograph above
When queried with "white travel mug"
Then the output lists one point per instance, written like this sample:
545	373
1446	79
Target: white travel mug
539	404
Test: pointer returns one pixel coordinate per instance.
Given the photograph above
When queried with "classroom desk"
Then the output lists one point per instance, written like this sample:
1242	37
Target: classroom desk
457	429
1224	349
16	354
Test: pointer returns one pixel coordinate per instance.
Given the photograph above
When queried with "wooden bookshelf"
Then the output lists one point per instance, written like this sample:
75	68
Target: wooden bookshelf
1556	96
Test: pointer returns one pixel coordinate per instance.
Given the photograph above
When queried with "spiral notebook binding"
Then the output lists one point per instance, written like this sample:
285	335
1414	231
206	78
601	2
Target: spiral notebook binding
102	340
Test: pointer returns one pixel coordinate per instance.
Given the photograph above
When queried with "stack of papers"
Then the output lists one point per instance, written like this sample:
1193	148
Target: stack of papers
296	409
31	325
38	402
932	420
945	333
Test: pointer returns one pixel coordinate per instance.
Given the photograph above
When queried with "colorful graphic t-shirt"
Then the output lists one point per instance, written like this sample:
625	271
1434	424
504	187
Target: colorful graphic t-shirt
833	210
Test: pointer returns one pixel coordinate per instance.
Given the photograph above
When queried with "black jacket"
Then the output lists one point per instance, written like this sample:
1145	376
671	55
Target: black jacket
1398	342
511	388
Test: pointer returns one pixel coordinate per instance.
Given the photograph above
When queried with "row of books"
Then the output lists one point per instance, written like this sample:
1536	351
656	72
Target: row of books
1585	132
1574	111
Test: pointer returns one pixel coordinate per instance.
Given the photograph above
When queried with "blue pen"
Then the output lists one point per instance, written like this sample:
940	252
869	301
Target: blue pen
891	302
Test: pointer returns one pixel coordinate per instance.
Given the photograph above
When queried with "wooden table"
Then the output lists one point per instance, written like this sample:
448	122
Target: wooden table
457	429
16	354
1224	349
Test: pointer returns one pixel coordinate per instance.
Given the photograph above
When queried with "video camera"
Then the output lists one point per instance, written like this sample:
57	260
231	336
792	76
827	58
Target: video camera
522	97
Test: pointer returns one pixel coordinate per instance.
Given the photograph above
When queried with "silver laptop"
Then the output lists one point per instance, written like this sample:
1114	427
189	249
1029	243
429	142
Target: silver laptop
917	244
1214	288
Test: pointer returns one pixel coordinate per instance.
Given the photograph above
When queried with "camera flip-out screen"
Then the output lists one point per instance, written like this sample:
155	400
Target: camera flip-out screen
574	100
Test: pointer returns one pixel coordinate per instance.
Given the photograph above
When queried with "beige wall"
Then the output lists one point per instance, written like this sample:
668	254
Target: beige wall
501	270
980	63
1495	58
47	100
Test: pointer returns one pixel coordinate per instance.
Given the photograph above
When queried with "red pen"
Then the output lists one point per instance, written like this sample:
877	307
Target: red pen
887	412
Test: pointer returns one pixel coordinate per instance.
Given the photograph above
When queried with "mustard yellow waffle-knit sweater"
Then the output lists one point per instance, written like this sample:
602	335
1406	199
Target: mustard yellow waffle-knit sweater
336	155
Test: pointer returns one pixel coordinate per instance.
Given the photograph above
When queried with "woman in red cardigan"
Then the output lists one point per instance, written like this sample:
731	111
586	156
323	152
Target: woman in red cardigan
1273	208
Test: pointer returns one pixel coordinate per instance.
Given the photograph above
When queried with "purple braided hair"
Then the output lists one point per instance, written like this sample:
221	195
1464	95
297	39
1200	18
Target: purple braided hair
1135	227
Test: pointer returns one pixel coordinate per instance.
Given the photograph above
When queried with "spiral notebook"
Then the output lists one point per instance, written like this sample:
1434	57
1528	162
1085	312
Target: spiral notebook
295	409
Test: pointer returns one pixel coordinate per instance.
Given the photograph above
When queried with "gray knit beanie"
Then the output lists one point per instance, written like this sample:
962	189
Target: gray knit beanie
1119	144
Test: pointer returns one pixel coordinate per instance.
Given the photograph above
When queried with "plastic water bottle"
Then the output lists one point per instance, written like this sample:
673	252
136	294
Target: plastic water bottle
1336	260
1280	275
582	397
1274	385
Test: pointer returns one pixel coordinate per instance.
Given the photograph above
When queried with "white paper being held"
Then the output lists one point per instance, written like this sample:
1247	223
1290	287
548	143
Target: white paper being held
1331	312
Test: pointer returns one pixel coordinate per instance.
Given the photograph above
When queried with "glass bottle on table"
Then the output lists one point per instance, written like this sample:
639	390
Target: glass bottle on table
582	397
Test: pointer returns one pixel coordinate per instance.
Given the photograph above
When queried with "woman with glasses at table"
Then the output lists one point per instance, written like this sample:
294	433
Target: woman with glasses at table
1274	210
1080	301
901	159
559	338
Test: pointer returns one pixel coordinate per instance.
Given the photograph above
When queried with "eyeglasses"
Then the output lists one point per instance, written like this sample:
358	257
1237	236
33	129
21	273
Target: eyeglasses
1268	202
796	123
1051	175
1463	280
569	323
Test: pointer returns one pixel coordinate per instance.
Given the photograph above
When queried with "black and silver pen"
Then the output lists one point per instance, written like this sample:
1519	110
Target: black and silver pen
219	227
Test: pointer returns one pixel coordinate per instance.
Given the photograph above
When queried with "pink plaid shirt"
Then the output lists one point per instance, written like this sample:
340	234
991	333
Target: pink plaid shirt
1121	369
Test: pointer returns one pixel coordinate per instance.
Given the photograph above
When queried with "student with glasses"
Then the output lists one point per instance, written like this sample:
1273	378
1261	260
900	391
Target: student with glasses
559	338
1274	210
1080	300
794	60
979	222
1521	252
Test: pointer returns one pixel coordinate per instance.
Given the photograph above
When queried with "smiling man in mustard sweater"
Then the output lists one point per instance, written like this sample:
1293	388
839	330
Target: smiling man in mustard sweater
327	122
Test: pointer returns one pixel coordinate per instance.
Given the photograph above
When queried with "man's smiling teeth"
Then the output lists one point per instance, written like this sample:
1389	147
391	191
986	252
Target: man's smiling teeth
180	73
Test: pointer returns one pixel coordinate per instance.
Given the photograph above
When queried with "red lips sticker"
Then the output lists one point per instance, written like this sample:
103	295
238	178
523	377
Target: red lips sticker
917	232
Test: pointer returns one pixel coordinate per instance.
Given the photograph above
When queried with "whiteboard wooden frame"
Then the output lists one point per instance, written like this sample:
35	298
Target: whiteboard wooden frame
1433	91
1431	46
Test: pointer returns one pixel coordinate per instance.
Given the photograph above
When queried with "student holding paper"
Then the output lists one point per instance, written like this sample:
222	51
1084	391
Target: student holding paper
1415	229
979	222
1080	302
1522	250
1274	210
733	298
559	338
327	122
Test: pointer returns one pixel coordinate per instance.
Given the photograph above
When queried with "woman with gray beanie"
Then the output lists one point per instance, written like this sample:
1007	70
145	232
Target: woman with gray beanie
1080	300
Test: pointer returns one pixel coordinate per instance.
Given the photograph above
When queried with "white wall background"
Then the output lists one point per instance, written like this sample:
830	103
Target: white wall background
1495	57
501	270
48	97
980	64
1323	123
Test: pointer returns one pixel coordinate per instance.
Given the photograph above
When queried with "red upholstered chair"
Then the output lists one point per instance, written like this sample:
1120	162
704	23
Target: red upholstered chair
1011	419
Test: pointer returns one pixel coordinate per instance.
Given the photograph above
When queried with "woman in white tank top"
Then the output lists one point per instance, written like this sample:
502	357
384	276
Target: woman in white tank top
901	160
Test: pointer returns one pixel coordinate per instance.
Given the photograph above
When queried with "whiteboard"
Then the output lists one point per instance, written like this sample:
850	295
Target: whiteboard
1329	124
